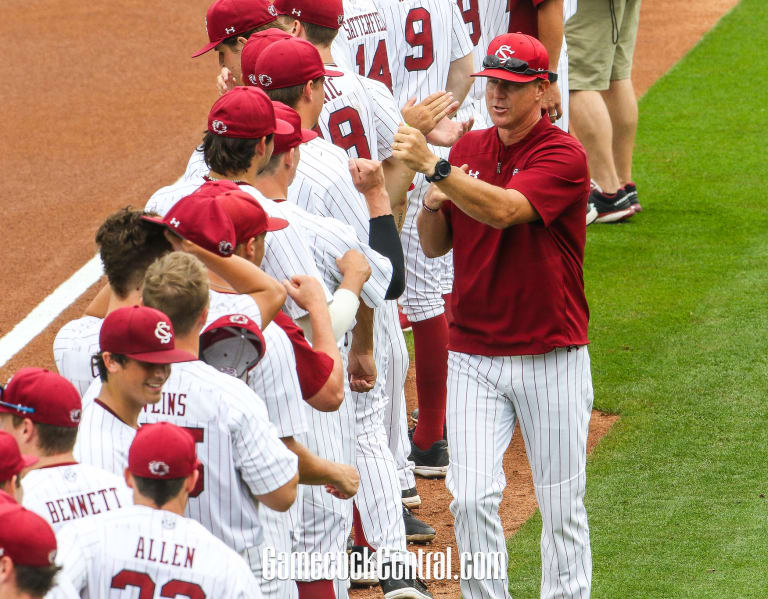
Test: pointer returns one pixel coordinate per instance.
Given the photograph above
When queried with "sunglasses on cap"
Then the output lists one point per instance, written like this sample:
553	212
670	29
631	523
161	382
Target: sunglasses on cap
514	65
15	406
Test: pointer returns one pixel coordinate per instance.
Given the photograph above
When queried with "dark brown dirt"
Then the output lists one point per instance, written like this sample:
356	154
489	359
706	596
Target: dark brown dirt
103	105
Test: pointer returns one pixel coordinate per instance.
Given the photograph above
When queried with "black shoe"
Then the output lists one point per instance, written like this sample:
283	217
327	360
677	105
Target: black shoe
408	588
611	208
362	570
416	531
631	190
411	498
432	462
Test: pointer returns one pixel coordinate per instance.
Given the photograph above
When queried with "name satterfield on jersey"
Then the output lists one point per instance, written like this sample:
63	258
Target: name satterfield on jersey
366	24
162	552
83	505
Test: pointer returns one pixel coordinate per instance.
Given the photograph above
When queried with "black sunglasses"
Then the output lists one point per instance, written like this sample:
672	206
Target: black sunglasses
16	406
514	65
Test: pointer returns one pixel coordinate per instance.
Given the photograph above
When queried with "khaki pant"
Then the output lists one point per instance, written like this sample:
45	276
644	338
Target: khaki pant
601	41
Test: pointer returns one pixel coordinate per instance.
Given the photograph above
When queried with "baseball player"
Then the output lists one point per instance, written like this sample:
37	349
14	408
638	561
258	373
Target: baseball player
27	553
44	417
136	349
523	356
12	463
151	547
127	245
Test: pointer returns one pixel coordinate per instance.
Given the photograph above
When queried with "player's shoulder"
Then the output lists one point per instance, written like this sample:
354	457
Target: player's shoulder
164	198
207	380
321	150
75	329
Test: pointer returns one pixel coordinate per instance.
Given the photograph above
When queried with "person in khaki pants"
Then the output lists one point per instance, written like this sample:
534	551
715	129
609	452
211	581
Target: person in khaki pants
601	42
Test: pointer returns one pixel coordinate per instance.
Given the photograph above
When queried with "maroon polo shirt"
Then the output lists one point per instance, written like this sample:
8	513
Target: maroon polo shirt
523	17
520	290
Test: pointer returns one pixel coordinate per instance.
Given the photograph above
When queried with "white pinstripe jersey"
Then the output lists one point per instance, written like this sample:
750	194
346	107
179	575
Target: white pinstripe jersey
237	445
331	239
148	553
323	186
363	39
286	252
274	378
360	116
67	492
425	36
73	347
103	439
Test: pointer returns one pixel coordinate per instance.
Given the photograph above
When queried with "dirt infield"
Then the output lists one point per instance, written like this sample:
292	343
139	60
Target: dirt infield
103	106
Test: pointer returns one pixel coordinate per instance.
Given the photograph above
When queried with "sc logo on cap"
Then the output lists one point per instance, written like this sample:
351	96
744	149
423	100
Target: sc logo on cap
265	80
159	468
504	52
74	415
219	127
272	10
252	79
238	319
163	332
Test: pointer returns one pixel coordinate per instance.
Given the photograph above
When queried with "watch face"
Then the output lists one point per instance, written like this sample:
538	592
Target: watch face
443	168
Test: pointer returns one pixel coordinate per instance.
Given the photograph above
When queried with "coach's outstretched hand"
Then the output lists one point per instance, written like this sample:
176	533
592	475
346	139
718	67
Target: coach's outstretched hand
425	115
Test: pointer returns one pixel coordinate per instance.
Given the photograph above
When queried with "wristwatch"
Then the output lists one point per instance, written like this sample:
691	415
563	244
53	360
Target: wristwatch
442	170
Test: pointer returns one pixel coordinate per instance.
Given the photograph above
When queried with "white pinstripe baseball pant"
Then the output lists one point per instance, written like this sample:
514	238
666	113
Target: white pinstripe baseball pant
551	394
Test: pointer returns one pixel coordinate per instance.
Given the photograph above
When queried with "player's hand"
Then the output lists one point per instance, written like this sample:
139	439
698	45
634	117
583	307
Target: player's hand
346	481
354	264
425	115
553	102
306	291
411	148
361	371
225	81
367	175
448	132
179	244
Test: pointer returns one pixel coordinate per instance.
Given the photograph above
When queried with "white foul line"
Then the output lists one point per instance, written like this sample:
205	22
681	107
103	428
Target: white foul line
47	310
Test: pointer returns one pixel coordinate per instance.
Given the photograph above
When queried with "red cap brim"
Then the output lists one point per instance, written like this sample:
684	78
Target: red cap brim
507	76
308	135
169	356
207	48
275	224
155	220
283	127
331	73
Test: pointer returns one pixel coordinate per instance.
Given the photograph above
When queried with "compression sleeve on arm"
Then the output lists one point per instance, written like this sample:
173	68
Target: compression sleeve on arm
383	237
342	309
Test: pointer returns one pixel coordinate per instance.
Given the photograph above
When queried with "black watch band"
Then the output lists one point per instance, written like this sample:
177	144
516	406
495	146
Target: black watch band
442	170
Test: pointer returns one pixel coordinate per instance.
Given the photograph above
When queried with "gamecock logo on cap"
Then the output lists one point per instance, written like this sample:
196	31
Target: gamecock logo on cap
163	332
74	415
159	468
340	20
504	52
225	248
219	127
252	79
265	80
272	10
238	319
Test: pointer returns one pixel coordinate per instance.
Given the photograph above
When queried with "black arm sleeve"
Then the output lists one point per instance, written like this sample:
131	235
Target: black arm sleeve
383	238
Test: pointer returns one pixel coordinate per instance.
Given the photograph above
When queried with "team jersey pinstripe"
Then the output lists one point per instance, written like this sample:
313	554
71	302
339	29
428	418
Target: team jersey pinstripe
61	494
274	378
362	41
73	347
425	36
286	252
359	115
154	553
331	239
323	186
240	450
103	439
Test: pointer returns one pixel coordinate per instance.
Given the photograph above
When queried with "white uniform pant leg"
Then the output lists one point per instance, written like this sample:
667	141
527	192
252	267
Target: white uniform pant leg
278	535
480	422
553	397
379	498
396	413
562	81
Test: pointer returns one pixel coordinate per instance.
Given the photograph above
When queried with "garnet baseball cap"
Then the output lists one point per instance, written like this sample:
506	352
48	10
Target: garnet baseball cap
199	219
298	136
232	344
289	62
255	46
143	334
162	451
25	537
245	112
42	396
226	18
11	460
522	48
247	216
326	13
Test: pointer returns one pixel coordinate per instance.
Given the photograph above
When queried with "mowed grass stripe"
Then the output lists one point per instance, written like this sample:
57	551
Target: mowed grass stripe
679	320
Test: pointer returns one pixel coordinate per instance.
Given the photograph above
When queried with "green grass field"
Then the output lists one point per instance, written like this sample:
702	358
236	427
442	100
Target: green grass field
676	492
